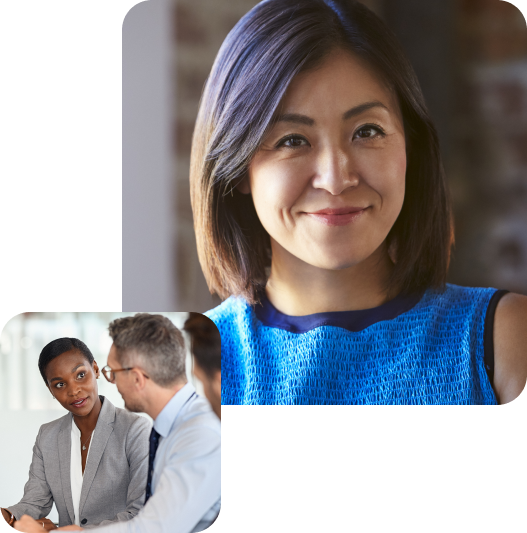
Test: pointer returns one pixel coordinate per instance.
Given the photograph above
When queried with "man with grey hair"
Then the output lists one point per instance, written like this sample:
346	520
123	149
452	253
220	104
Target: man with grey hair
147	363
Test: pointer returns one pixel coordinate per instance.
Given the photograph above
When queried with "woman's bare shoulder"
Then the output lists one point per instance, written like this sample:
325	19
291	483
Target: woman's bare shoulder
510	347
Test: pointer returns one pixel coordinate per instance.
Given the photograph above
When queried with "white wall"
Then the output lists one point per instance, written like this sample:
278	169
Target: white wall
148	192
25	402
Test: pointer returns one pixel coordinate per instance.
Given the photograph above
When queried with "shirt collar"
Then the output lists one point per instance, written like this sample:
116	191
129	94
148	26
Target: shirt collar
165	420
350	320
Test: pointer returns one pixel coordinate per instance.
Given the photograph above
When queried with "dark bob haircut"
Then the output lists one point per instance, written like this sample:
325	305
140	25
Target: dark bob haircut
58	347
205	342
258	60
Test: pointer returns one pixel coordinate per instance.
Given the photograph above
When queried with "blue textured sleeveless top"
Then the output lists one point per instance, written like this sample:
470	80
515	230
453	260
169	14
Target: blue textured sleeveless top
425	349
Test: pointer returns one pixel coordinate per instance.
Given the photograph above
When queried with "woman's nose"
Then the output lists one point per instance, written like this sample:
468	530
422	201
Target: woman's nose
334	171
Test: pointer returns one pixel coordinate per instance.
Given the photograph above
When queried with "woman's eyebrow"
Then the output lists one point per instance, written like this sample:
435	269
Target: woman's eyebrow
73	370
296	118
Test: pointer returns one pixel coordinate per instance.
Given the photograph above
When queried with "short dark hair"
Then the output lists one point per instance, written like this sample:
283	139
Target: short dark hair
266	49
152	342
205	342
58	347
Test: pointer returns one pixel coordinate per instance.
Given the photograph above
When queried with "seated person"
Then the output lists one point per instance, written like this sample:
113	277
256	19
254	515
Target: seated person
147	363
92	462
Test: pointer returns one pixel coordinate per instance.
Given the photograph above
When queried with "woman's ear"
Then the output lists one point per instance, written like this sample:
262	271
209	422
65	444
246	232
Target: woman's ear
215	383
96	369
244	185
392	251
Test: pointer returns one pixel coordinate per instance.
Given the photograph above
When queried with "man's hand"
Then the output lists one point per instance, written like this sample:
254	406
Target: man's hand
28	525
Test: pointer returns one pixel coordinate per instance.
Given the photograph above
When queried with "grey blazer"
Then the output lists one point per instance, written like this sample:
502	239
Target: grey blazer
113	488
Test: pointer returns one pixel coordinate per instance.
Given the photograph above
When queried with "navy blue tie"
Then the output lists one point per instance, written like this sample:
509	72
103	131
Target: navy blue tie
154	443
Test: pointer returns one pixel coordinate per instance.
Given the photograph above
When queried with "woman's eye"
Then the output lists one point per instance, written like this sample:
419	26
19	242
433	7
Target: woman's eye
292	141
79	375
368	131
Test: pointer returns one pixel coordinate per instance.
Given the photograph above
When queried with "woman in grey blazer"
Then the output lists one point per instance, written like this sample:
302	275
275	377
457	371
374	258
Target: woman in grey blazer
93	462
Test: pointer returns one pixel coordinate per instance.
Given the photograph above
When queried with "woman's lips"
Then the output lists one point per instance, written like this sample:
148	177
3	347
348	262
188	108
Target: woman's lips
81	404
338	217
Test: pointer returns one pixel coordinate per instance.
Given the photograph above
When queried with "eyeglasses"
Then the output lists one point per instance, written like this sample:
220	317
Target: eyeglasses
109	373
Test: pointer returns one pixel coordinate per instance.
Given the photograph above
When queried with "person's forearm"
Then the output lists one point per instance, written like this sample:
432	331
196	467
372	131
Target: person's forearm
30	525
30	507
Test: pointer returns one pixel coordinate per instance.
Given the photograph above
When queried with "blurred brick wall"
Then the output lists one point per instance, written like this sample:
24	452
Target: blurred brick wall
488	170
200	28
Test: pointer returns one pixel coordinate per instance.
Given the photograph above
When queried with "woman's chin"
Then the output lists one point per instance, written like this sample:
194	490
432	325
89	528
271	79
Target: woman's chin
340	255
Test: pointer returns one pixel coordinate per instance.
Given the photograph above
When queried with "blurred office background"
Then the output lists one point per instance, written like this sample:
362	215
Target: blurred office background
471	59
26	403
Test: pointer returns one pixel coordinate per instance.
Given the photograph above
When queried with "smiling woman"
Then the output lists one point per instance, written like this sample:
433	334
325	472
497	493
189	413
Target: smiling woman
322	215
277	46
92	462
330	173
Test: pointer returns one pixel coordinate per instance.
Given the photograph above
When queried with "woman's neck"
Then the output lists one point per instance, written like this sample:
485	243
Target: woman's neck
297	288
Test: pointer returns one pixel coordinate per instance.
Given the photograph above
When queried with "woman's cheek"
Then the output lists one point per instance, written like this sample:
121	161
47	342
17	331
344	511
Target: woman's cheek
386	173
276	189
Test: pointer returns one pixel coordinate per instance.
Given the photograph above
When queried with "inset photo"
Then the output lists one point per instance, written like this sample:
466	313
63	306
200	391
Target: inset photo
116	417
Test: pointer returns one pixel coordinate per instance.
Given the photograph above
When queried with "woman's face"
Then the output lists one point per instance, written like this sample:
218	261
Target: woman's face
328	181
72	380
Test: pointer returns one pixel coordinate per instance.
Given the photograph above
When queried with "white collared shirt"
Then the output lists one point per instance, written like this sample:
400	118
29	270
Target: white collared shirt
186	482
76	475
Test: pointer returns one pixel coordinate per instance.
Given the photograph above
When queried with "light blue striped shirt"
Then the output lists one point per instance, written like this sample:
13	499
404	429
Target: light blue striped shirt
186	481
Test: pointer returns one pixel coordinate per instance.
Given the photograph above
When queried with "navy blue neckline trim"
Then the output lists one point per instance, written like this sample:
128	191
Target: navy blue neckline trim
350	320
